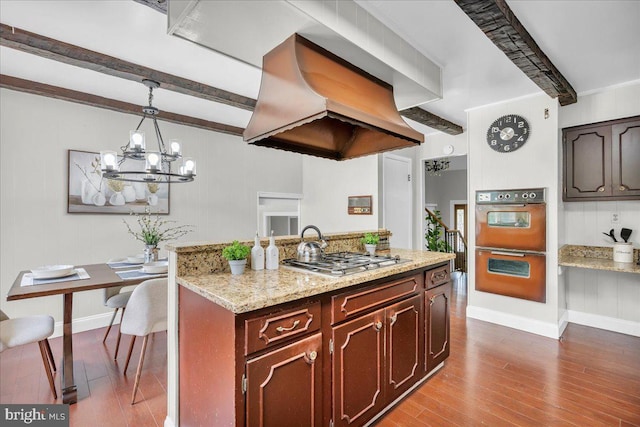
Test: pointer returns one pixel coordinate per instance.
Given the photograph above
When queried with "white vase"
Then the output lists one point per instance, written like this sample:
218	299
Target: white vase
152	199
129	193
371	249
87	192
99	199
117	199
141	190
237	266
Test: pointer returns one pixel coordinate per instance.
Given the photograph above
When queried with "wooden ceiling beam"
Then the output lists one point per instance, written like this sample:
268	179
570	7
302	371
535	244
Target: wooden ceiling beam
498	22
56	92
158	5
429	119
46	47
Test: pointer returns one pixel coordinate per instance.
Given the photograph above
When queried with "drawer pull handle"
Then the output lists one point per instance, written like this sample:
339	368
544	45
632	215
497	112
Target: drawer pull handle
439	275
622	188
377	326
312	357
283	329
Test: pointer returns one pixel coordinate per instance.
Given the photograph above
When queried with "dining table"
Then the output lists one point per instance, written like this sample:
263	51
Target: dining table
100	276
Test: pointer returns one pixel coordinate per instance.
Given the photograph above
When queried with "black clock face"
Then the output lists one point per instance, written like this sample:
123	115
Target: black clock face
508	133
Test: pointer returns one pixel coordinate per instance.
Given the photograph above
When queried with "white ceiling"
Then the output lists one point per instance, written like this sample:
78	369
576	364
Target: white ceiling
595	44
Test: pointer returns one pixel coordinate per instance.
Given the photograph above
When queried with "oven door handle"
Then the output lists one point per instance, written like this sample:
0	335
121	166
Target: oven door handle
507	253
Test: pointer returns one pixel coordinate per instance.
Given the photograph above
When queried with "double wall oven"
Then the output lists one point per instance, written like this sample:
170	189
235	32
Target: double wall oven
511	230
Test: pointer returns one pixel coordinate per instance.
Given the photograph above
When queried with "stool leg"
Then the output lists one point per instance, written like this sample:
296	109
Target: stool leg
110	324
119	334
126	365
139	370
47	368
50	354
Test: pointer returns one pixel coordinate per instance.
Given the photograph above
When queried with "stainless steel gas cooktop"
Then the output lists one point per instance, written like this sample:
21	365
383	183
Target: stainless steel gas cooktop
344	263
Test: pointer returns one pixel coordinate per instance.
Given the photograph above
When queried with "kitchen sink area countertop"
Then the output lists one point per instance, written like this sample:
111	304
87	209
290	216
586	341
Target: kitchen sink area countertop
596	258
253	290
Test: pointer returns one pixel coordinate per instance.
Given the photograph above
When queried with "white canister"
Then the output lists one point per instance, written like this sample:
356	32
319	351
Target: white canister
623	252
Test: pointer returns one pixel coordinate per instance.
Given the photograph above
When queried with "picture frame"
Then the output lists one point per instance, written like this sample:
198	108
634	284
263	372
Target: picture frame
89	192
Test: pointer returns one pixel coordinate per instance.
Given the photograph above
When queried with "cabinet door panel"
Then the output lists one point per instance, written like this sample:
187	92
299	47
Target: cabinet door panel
437	324
626	159
403	346
358	359
588	162
284	387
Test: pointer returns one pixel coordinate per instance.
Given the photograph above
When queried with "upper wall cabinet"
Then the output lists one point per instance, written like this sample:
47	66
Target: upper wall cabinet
602	161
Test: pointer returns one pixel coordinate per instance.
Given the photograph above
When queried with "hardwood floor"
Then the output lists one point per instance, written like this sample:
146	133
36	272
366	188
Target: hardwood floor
495	376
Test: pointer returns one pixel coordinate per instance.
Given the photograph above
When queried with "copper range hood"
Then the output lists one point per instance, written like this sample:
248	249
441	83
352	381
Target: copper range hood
313	102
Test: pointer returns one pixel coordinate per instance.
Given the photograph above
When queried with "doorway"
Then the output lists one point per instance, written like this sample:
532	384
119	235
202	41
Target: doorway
397	200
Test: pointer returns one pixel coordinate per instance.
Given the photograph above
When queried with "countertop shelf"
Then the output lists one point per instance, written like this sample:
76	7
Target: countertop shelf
595	258
253	290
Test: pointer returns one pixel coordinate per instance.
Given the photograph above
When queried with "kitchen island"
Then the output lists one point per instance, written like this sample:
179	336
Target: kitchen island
292	348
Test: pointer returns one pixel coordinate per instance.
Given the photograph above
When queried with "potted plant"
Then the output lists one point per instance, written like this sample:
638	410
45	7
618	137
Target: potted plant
435	234
237	255
370	241
153	231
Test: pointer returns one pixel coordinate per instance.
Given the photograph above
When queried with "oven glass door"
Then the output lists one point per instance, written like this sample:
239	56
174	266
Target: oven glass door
519	227
514	274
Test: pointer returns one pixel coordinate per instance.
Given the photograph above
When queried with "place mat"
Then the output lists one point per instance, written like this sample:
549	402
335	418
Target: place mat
125	264
137	274
28	280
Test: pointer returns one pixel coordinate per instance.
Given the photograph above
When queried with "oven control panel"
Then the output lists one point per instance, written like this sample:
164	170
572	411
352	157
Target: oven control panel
527	195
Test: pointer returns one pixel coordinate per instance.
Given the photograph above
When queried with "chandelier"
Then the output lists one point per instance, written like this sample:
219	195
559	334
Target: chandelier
436	166
157	168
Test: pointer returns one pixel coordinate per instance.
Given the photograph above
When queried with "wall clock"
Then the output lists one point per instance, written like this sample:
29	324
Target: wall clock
508	133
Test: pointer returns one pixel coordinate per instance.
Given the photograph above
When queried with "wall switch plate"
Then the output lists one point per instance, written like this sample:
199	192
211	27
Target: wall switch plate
615	218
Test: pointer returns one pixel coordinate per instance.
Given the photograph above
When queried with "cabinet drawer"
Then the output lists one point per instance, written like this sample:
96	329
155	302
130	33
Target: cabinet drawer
350	304
437	276
272	329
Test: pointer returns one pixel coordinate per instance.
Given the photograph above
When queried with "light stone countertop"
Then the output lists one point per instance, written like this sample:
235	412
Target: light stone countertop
595	258
253	290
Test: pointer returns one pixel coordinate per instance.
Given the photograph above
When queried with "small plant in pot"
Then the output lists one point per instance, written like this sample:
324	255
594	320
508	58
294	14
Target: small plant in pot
237	255
370	241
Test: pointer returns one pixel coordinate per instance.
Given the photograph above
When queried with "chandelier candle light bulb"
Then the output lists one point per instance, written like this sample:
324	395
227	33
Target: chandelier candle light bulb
109	160
136	140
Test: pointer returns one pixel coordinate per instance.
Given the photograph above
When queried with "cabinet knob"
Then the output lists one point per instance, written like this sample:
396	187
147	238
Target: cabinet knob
393	318
600	189
312	356
622	188
378	325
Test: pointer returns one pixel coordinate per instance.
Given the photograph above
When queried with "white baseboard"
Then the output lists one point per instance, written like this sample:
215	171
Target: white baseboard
563	322
604	322
168	422
86	323
538	327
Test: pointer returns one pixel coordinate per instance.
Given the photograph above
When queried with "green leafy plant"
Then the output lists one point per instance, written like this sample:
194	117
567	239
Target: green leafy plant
435	234
154	230
236	251
370	239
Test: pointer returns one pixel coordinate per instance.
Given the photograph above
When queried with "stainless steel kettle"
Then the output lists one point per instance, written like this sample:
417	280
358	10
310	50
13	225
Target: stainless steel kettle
311	251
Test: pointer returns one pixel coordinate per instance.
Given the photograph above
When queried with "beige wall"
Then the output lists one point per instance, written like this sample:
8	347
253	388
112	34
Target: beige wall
36	133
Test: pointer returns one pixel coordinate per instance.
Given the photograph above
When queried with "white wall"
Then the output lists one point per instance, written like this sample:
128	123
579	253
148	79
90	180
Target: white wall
35	134
440	190
606	298
534	165
327	184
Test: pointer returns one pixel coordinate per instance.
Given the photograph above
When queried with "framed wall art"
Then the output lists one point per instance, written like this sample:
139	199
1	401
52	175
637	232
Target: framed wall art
89	192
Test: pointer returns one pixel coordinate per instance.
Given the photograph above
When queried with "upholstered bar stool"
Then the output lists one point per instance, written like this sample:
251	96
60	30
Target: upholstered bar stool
28	329
147	314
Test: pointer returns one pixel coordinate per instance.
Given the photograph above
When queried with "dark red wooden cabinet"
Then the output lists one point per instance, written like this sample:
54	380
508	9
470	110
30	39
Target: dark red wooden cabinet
273	399
338	358
436	315
602	161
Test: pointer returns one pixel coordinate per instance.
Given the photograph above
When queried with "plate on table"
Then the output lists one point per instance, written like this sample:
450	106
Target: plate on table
135	259
158	267
52	271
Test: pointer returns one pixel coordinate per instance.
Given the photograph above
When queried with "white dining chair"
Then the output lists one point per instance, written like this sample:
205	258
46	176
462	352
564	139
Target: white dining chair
146	314
113	298
28	329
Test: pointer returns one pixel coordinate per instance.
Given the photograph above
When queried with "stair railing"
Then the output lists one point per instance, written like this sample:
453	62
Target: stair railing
455	243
